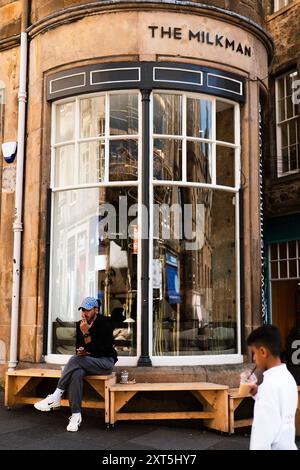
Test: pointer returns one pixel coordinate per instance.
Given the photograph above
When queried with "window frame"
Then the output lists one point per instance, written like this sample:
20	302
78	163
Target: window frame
277	6
156	360
212	359
62	359
280	123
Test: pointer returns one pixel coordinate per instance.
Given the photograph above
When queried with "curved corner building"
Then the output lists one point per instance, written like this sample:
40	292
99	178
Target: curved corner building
142	183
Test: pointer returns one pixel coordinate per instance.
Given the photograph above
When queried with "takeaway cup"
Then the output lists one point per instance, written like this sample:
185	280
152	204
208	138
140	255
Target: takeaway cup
246	380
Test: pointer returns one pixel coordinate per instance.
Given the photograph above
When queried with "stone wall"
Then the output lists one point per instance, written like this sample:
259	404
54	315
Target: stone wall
282	194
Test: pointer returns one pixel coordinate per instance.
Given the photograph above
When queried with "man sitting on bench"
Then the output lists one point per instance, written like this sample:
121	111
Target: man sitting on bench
95	355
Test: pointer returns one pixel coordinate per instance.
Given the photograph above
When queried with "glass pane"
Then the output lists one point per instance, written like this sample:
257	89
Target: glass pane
281	110
282	251
225	122
284	135
225	166
199	162
91	162
123	160
167	117
289	107
92	258
292	249
292	132
281	92
293	268
92	117
199	118
289	82
124	118
65	166
167	156
194	291
285	160
274	270
294	158
65	122
283	269
274	254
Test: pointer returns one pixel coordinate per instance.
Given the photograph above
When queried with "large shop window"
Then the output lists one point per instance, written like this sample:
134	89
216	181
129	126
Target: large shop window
97	185
195	181
95	177
287	119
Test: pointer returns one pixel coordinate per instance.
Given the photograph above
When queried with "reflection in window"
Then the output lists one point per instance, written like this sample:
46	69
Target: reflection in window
92	257
190	157
199	118
91	162
167	155
194	277
225	166
167	114
225	121
65	122
123	114
123	160
65	166
92	117
199	162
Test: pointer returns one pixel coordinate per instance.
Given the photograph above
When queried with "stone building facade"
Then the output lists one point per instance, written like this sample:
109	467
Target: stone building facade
282	182
154	101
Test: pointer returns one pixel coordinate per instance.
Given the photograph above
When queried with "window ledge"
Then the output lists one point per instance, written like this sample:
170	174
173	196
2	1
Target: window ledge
281	11
291	177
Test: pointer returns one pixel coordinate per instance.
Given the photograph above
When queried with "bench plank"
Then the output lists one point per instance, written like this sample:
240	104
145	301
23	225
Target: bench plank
213	397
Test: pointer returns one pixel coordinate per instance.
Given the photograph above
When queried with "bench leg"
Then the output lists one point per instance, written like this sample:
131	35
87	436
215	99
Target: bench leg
231	415
112	408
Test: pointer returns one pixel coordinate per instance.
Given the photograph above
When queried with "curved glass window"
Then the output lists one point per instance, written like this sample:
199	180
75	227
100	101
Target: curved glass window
195	183
97	186
94	247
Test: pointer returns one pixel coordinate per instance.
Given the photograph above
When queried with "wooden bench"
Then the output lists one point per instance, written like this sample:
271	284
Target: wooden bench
20	388
213	397
234	401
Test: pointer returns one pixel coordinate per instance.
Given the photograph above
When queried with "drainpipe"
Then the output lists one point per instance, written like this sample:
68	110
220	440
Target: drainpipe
18	224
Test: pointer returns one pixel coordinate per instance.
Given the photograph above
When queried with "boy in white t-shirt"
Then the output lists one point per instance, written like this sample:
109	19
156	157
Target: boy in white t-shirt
276	398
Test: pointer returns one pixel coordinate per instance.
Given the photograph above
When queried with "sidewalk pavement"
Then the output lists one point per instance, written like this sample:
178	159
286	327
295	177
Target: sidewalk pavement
23	427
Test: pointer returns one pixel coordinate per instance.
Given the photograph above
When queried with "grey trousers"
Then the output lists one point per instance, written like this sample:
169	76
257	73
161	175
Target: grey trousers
73	373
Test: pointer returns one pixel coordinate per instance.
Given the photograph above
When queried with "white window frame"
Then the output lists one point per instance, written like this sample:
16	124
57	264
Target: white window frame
277	6
62	359
279	123
287	259
212	359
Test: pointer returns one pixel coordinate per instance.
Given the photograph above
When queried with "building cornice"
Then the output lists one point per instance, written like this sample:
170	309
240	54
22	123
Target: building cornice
75	13
10	42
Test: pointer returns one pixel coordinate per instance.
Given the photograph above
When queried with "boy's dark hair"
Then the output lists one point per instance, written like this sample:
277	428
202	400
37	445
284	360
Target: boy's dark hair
267	336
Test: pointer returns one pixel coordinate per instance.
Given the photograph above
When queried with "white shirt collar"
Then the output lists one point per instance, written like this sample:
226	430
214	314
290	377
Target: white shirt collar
274	369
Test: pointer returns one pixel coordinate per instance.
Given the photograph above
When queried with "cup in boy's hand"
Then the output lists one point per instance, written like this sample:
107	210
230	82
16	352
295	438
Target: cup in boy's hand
247	383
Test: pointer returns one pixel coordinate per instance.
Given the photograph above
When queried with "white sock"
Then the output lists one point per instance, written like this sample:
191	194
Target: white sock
57	394
77	415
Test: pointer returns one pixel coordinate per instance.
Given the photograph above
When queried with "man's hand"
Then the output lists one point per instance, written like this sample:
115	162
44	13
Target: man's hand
82	352
84	326
253	390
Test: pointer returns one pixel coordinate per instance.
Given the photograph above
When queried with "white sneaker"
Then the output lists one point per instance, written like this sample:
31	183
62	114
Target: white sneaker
74	423
47	404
